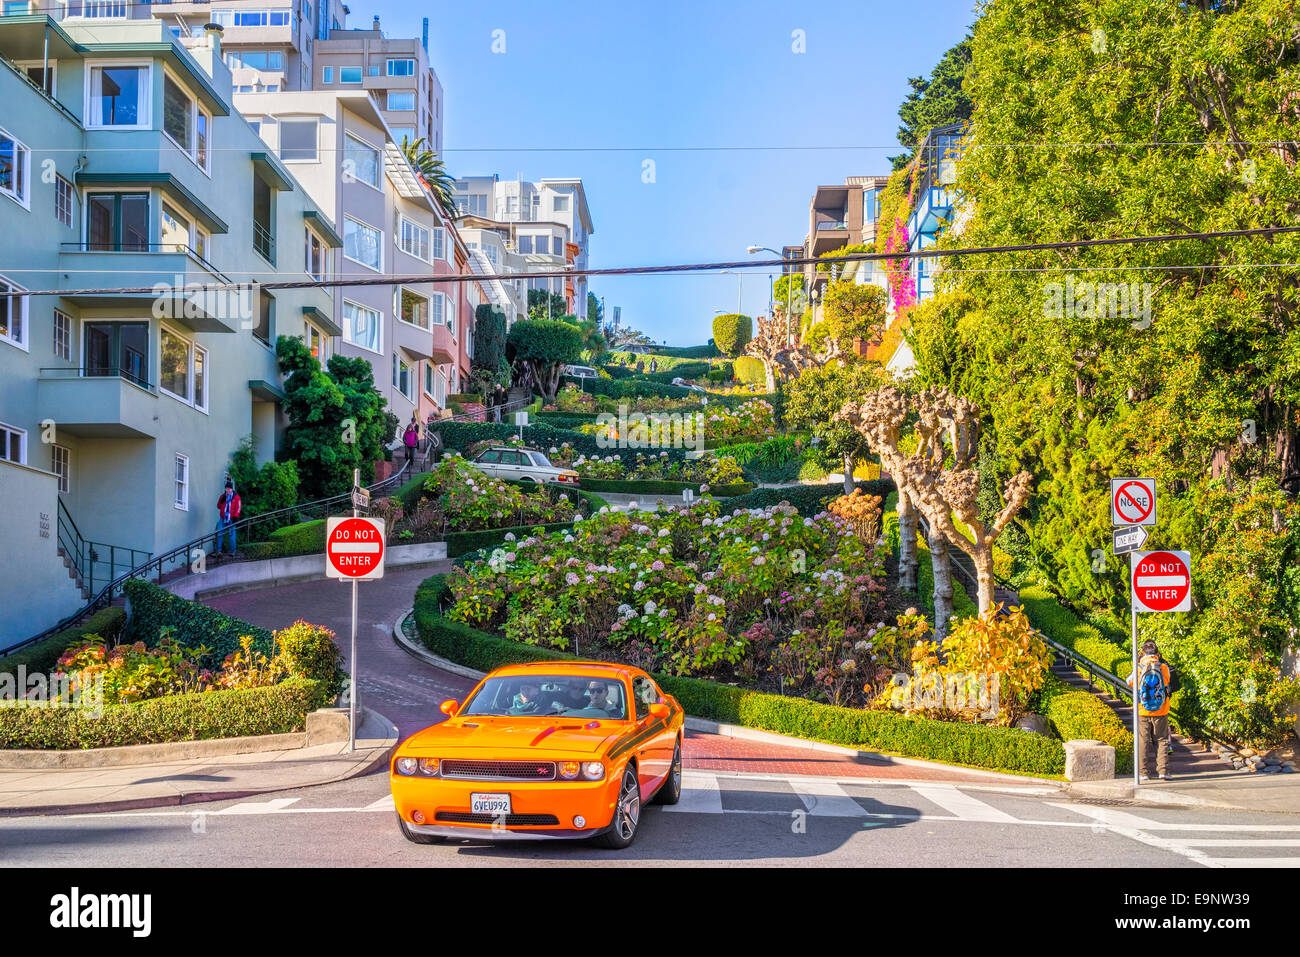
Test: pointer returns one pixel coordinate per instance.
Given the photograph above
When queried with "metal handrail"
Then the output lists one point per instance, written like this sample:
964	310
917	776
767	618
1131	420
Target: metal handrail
184	552
263	242
1095	671
84	372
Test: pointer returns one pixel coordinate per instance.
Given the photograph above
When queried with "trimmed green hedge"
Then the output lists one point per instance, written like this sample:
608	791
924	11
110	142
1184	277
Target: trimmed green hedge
976	745
304	538
42	657
565	420
808	499
279	709
410	493
1076	714
631	388
459	436
661	487
1062	626
152	608
750	370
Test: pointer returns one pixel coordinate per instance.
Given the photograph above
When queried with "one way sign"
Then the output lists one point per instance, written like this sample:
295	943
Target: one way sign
1129	539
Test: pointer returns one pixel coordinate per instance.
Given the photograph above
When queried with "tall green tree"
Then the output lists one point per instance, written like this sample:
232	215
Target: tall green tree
595	311
490	345
546	305
937	100
430	167
813	398
546	345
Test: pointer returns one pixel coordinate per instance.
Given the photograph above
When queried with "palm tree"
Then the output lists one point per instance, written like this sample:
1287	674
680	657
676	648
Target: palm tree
430	169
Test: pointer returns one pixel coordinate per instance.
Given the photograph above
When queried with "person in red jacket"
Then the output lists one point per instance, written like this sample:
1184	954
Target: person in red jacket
228	508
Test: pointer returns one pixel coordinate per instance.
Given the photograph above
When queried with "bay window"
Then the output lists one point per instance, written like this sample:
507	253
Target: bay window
363	244
412	308
361	160
317	257
117	222
413	239
183	369
185	121
118	96
13	316
117	349
15	169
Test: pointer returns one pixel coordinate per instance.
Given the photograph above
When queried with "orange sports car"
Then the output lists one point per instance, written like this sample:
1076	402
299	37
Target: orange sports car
546	750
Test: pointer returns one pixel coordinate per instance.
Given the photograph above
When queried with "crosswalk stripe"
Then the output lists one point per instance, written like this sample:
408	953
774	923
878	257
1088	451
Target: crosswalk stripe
1253	861
701	794
963	805
385	803
827	799
1240	842
259	807
1133	827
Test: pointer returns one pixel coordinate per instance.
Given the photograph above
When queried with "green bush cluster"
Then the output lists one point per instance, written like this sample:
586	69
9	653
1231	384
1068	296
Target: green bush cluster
565	420
976	745
459	436
462	543
808	499
277	709
41	657
631	388
153	608
305	538
1063	627
658	487
732	332
750	370
1077	715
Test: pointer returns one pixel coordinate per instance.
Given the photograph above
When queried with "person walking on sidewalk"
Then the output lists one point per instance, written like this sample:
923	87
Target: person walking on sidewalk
1150	686
411	438
228	509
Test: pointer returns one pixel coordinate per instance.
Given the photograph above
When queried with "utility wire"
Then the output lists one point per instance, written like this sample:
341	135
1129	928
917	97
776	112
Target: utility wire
933	253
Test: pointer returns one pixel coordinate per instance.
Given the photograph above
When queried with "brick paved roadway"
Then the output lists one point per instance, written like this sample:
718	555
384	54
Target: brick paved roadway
408	691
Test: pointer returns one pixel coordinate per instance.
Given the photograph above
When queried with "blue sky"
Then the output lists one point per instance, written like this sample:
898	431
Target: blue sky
645	76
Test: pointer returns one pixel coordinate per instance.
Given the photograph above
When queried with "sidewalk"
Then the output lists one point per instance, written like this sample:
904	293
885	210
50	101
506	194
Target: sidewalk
216	778
1275	793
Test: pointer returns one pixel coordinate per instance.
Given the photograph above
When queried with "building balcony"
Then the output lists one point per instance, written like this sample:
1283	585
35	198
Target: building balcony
113	404
172	281
434	343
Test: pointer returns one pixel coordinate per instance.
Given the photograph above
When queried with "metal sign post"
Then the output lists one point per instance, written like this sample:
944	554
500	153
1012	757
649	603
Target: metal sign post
1158	582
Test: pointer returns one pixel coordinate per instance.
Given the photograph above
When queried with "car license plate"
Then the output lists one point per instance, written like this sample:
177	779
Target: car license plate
494	804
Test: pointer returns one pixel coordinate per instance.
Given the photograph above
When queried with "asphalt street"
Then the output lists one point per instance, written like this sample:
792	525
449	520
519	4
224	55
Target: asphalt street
723	820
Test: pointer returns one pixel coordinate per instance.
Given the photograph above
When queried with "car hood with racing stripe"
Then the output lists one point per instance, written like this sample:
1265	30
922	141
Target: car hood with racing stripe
488	737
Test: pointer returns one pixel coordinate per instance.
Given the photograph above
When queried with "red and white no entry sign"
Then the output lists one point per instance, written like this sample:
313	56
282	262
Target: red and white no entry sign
1162	581
354	548
1132	501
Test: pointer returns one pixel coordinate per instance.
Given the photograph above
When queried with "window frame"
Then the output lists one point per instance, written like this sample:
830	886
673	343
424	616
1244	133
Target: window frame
327	75
280	122
144	111
399	309
61	186
388	101
117	244
51	86
379	244
24	316
361	76
64	473
22	195
313	236
348	325
402	225
364	146
326	343
388	67
66	355
192	370
181	484
400	366
5	431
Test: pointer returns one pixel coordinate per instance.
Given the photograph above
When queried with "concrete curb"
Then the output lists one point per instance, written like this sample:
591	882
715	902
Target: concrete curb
380	755
732	730
427	656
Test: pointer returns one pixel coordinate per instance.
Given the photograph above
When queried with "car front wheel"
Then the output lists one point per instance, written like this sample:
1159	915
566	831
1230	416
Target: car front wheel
627	813
415	838
670	792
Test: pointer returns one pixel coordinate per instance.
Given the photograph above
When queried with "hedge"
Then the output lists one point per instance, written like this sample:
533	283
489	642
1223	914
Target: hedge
304	538
662	487
411	493
1006	749
631	388
808	499
278	709
1075	714
42	657
1063	627
566	420
153	608
459	436
461	543
750	370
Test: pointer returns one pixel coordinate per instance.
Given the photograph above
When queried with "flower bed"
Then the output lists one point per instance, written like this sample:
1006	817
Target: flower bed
658	466
472	501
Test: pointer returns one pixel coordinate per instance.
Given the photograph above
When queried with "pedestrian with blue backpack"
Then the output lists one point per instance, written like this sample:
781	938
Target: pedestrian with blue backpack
1151	693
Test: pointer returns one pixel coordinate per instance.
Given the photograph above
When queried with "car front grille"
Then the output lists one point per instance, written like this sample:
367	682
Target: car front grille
511	820
498	770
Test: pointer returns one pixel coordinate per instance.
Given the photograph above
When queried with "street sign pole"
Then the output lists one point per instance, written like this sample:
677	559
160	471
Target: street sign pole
1138	756
1159	581
352	694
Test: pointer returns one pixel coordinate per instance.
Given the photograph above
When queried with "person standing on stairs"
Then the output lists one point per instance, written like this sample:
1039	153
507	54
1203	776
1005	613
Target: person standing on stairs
1150	686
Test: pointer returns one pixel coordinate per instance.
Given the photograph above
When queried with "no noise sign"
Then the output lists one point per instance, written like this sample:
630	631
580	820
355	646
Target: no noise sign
354	548
1132	502
1162	581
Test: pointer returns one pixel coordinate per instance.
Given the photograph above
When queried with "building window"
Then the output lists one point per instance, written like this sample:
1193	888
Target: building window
414	239
95	9
363	244
402	376
525	244
362	326
63	201
282	17
349	74
398	100
182	369
360	160
119	97
318	344
62	335
557	246
117	222
13	444
16	8
428	379
491	253
175	231
327	74
263	220
438	309
117	349
181	496
264	331
373	70
13	316
317	257
255	60
60	462
36	72
401	68
298	140
15	168
561	204
413	308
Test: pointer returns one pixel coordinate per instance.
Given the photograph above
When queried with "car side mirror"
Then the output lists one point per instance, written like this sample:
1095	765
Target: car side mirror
450	707
659	711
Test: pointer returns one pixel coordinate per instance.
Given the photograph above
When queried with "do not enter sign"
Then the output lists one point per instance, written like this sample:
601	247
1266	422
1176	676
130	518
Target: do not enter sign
354	548
1162	581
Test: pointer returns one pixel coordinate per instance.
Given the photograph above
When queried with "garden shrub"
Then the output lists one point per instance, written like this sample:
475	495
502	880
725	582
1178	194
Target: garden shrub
750	370
808	499
312	652
1075	714
41	657
1063	627
278	709
154	608
305	538
732	332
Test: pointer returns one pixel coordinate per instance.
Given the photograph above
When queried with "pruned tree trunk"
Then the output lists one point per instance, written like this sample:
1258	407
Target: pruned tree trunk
906	542
983	558
941	560
848	474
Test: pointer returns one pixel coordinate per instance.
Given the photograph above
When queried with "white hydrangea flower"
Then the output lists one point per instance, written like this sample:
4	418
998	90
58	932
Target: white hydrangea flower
650	607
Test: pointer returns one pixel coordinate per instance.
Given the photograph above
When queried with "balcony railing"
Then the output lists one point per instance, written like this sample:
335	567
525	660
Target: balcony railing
98	372
263	242
839	224
99	247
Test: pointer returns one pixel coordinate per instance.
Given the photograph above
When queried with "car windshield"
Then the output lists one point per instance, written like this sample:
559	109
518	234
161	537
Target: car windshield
570	696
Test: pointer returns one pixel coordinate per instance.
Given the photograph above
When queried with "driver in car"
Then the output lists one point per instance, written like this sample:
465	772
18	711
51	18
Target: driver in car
528	700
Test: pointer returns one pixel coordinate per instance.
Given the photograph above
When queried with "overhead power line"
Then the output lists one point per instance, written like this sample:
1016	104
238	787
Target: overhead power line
934	253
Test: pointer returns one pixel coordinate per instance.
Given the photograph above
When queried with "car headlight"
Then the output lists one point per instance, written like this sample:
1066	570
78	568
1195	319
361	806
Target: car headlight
429	767
569	770
406	765
593	770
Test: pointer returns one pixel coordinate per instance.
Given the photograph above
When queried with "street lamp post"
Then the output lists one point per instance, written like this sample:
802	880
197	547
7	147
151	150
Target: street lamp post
771	295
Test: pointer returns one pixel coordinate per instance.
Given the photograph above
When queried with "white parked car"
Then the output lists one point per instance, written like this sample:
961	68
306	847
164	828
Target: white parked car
523	465
581	372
